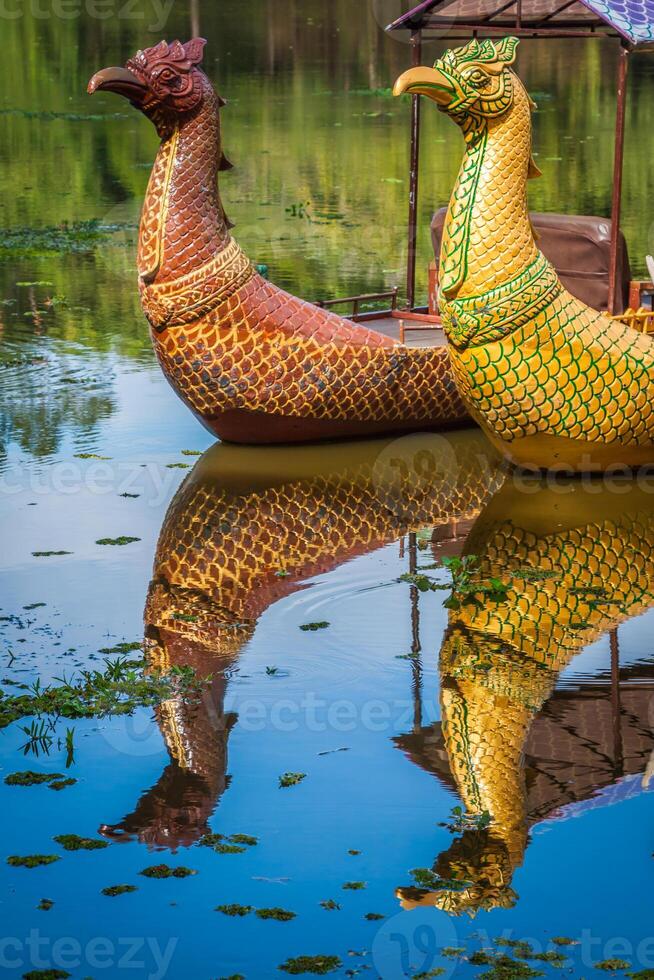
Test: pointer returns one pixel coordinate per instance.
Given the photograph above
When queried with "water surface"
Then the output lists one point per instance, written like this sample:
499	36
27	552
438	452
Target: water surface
531	705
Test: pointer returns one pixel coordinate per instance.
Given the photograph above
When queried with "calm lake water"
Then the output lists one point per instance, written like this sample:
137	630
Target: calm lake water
308	583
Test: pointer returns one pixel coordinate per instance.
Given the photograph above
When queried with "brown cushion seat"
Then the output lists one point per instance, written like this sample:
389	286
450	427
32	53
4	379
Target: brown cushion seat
578	246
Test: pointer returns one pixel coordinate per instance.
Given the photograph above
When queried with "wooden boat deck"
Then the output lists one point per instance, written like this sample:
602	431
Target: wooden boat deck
390	326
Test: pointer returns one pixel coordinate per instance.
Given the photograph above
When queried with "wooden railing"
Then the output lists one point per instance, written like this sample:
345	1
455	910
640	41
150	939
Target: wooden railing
358	301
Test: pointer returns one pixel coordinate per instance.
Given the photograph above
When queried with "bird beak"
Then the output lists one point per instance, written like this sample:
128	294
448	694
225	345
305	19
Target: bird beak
431	82
121	81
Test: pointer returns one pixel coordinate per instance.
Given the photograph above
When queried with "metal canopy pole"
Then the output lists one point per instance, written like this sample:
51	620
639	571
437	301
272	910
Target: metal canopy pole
615	256
416	55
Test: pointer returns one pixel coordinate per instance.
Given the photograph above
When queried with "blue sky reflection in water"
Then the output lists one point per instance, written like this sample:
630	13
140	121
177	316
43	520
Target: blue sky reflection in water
398	705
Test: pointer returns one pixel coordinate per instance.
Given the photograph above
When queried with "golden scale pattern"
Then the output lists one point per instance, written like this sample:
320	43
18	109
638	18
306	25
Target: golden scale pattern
263	350
230	341
499	664
543	364
219	550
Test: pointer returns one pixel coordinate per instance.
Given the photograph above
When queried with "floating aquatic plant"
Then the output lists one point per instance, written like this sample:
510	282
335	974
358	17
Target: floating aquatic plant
244	839
437	971
612	965
90	456
113	890
280	915
78	236
178	466
460	820
311	964
553	956
165	871
31	860
45	905
291	779
73	842
122	540
353	886
312	627
234	909
373	916
330	905
120	688
122	648
49	554
452	952
59	784
29	778
504	967
191	452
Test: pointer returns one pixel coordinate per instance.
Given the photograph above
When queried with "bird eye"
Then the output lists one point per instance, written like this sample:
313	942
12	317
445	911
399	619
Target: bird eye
478	77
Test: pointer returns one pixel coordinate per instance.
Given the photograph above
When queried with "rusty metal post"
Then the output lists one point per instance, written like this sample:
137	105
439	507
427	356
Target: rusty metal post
416	54
615	256
616	710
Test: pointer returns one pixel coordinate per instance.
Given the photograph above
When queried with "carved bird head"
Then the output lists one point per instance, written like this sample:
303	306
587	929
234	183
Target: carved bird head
164	81
471	83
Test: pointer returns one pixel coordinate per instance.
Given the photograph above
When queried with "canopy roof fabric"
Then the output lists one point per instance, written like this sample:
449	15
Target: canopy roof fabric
632	20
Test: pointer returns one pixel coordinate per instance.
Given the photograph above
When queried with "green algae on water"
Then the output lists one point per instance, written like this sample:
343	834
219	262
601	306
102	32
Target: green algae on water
122	540
553	956
452	952
311	964
505	967
373	916
353	886
59	784
113	890
29	778
438	971
73	842
279	915
244	839
291	779
45	905
312	627
330	905
165	871
49	554
31	860
78	236
612	965
122	648
234	909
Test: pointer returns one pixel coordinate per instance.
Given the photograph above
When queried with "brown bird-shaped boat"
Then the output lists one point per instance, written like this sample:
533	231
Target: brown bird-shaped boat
252	362
240	516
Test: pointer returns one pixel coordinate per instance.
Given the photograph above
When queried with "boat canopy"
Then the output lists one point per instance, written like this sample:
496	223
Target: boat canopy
630	20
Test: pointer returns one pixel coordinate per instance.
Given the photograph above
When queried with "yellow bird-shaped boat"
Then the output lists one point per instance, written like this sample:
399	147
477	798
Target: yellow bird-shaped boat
553	383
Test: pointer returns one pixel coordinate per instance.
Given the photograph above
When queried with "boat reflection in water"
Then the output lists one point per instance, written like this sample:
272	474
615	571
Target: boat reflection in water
250	526
578	563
